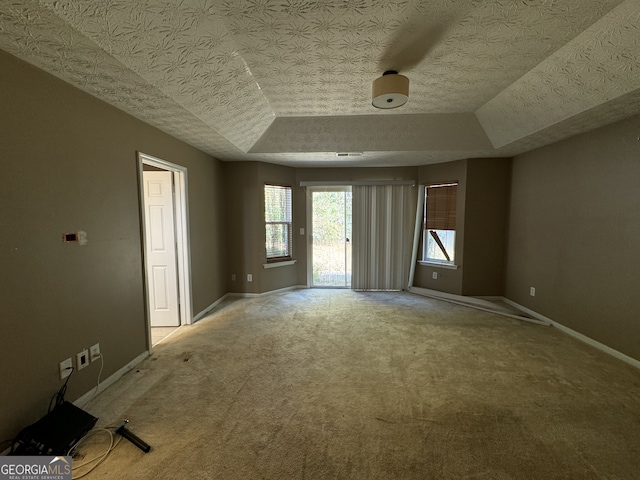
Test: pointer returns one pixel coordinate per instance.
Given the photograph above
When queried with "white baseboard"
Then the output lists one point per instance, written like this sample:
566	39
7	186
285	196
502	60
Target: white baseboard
208	310
241	295
474	302
84	399
528	311
478	301
270	292
583	338
285	289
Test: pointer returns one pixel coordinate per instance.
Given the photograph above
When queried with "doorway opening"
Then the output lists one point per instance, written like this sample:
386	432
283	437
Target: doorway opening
163	201
330	234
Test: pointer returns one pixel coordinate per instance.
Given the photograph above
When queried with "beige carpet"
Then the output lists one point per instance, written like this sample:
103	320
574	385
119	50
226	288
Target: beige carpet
159	334
335	384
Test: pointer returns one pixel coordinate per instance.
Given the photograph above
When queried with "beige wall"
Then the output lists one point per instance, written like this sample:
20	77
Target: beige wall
69	163
207	221
483	186
574	231
245	191
245	182
278	277
482	205
486	205
448	280
244	217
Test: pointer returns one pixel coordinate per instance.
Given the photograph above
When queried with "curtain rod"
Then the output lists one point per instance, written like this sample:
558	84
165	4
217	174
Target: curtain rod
369	182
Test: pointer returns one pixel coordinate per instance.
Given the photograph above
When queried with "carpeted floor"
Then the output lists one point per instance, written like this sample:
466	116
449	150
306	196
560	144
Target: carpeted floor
336	384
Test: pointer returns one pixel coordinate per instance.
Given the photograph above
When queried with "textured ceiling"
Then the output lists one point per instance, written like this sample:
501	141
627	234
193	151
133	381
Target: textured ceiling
289	81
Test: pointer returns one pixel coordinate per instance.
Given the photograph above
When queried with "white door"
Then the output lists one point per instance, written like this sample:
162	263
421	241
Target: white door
162	279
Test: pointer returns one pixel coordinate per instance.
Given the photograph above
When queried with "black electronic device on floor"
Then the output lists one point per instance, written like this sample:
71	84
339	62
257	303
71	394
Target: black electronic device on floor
55	433
137	441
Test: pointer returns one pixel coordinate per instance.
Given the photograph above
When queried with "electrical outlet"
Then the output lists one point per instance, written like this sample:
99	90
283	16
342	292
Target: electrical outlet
65	368
249	277
434	275
94	352
82	359
233	277
532	291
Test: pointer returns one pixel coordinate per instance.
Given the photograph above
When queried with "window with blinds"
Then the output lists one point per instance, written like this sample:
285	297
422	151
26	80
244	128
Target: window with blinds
278	222
439	233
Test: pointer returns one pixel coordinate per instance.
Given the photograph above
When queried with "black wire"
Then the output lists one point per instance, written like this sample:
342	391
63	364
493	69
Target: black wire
59	395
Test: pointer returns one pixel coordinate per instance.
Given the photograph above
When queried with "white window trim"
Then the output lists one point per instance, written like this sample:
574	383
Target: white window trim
278	264
435	263
289	224
430	261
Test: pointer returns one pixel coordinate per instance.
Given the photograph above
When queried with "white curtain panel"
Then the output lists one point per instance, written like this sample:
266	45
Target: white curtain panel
382	236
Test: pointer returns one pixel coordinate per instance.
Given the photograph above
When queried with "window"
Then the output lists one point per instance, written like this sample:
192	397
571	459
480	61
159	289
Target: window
439	233
277	217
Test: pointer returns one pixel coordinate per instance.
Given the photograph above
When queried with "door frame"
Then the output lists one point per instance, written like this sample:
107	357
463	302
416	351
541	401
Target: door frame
318	187
183	255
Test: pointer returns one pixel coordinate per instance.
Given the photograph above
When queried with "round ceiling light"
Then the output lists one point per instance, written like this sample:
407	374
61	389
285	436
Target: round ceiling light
390	90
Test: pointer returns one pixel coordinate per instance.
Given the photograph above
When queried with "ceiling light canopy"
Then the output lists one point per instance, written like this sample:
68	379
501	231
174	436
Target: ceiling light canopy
391	90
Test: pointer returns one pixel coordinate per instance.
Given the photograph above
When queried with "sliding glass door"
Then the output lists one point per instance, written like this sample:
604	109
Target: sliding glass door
331	237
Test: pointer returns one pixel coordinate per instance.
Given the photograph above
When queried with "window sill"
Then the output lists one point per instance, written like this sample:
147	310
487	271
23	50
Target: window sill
279	264
431	263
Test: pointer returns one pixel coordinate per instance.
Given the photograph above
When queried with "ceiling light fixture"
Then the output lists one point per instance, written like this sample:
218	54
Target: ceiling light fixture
390	90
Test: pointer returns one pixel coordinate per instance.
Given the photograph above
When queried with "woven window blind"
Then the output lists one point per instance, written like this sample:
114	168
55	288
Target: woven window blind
441	207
